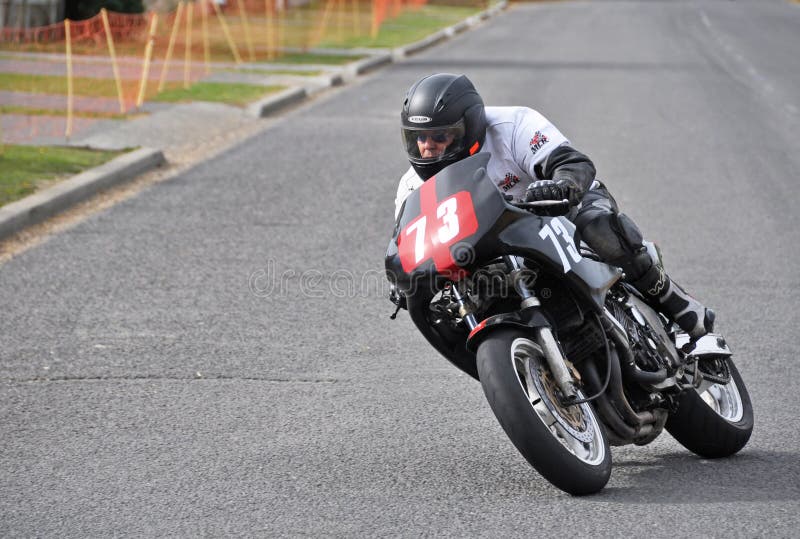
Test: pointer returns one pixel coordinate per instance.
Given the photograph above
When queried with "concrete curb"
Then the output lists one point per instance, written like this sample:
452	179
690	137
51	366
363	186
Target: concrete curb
447	33
451	31
368	64
40	206
430	41
497	8
328	81
273	103
335	79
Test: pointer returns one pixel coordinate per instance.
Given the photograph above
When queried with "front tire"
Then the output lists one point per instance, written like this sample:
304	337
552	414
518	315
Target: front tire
565	444
715	420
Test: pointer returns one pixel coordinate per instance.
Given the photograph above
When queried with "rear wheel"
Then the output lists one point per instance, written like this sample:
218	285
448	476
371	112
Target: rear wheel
716	419
566	444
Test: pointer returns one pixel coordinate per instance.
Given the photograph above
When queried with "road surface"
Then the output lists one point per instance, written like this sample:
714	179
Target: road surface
214	356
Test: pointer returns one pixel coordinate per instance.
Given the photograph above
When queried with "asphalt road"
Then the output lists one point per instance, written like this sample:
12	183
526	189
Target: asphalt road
214	356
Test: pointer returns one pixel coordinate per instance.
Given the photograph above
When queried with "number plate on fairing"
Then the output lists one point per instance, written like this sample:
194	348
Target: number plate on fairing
441	225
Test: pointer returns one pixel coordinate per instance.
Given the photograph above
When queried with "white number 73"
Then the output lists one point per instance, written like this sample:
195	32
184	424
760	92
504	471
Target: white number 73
548	232
447	211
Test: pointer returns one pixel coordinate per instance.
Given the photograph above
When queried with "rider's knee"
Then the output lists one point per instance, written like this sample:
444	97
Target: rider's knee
617	240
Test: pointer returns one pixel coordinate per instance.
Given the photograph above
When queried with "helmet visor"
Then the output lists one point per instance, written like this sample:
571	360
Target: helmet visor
429	145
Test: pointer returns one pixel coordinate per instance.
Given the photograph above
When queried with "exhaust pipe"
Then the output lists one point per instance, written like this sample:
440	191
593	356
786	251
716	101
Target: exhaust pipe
620	433
613	406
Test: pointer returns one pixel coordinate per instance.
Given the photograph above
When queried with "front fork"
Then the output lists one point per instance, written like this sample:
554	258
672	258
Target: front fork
544	334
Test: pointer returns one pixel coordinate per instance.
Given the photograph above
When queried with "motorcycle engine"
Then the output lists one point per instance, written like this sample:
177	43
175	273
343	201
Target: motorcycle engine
650	351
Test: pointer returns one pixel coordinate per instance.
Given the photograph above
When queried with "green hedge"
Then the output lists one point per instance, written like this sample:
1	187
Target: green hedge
85	9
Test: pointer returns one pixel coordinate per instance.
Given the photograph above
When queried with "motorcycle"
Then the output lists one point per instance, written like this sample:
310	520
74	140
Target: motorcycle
571	358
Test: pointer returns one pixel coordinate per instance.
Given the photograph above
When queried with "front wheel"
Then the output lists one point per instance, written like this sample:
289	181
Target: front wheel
566	444
716	419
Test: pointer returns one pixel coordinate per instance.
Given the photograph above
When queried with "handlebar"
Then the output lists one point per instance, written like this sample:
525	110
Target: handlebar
539	204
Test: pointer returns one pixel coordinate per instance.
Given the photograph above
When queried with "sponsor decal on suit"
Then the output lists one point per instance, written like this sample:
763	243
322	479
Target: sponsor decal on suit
539	139
508	182
658	286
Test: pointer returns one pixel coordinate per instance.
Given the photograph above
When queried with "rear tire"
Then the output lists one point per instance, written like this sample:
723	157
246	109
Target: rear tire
566	445
716	420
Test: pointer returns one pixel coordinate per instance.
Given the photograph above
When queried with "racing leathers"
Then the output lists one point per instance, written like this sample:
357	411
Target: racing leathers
529	155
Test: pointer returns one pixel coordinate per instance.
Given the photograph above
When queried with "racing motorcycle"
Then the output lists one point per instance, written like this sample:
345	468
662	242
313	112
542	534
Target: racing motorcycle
571	358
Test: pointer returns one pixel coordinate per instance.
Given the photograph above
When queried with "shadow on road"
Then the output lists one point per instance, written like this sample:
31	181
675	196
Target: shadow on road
684	478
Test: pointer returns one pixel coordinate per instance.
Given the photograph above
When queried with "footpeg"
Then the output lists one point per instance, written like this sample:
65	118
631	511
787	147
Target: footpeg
709	344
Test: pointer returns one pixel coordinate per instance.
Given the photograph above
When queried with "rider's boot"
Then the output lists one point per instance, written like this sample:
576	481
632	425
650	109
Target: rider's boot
666	296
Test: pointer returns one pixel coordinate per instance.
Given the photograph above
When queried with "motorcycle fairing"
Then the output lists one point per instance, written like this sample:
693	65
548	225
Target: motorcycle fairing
438	261
451	346
488	229
500	229
590	278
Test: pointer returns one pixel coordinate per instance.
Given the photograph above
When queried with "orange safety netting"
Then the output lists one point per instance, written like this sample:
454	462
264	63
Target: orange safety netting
302	26
123	26
116	61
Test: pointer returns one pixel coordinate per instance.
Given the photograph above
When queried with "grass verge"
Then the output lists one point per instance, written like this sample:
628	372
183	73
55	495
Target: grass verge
24	169
268	71
312	58
233	94
410	26
55	84
30	111
219	52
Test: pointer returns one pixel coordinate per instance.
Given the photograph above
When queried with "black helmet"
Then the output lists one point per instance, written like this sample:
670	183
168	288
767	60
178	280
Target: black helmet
444	108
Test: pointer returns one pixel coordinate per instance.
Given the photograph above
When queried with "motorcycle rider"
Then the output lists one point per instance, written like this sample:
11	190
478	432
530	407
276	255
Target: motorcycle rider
444	120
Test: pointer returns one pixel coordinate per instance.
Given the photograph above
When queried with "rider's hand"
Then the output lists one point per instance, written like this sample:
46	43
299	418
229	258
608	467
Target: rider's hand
553	190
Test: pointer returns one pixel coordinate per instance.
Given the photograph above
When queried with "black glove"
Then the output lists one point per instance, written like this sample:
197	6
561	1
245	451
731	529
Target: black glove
553	190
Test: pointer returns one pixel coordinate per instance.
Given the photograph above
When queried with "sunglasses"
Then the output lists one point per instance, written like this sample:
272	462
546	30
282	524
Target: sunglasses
437	138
